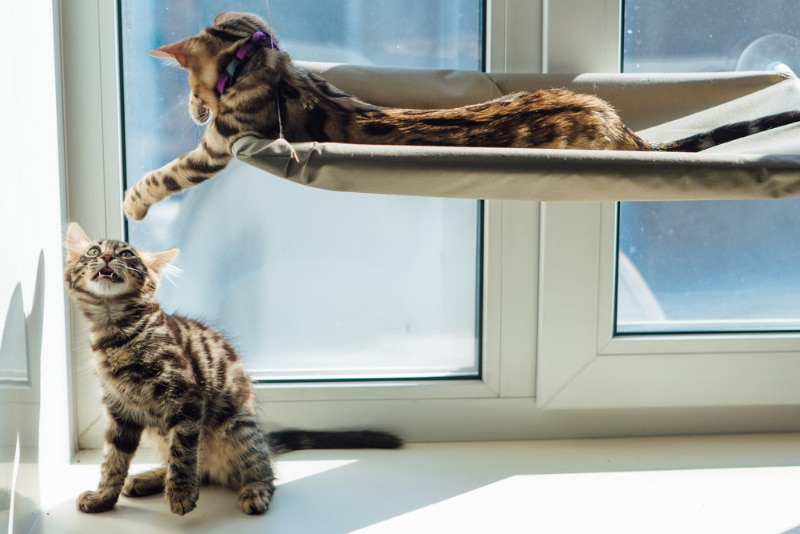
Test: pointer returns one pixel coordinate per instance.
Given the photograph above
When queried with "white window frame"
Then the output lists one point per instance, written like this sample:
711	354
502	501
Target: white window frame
581	363
548	283
510	258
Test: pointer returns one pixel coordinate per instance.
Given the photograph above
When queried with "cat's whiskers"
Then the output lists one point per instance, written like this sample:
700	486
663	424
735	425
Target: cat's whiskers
125	268
171	272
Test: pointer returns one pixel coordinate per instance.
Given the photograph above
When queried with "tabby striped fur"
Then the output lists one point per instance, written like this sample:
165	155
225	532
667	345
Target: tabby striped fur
312	109
177	381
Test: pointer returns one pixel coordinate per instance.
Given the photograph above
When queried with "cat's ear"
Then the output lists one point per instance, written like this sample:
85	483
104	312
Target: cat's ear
224	17
77	241
158	261
176	51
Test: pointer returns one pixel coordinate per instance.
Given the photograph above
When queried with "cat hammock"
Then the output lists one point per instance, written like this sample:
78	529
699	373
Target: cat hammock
660	107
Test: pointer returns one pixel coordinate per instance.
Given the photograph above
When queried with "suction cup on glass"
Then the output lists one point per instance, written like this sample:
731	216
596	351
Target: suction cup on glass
774	52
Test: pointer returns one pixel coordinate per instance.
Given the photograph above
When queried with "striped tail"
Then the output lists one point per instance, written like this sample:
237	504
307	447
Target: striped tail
729	132
296	440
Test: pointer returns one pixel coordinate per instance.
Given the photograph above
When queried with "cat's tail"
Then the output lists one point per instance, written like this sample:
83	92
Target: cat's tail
294	440
729	132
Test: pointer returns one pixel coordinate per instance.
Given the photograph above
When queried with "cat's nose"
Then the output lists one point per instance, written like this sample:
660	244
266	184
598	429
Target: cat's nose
106	257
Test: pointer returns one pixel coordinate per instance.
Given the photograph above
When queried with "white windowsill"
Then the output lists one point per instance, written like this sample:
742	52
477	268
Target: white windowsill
735	483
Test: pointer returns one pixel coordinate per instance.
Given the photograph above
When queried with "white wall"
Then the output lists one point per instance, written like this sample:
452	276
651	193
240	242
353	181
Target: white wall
32	320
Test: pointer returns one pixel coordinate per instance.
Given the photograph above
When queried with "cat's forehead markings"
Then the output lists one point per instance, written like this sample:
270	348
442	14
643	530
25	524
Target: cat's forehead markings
109	244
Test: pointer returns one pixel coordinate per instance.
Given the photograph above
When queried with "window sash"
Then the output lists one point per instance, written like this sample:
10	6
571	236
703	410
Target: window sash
94	200
581	363
542	351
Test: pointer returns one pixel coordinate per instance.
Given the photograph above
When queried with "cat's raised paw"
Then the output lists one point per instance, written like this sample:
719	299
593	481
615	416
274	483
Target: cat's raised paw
93	502
134	208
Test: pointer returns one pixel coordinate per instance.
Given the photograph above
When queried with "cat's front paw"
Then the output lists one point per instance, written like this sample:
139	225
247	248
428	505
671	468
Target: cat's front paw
255	498
135	208
182	501
94	502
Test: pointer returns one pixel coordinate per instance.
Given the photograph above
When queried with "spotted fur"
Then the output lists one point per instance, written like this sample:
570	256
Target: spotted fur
312	109
176	381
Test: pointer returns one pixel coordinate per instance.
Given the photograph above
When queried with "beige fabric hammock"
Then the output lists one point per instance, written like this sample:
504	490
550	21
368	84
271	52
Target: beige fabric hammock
660	107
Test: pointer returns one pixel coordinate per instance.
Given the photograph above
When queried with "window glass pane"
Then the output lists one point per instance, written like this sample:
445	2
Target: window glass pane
310	284
709	266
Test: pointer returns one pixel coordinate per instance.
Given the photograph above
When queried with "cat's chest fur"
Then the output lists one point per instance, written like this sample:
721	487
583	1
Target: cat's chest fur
141	386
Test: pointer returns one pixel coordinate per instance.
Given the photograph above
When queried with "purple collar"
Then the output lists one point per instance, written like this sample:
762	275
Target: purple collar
227	76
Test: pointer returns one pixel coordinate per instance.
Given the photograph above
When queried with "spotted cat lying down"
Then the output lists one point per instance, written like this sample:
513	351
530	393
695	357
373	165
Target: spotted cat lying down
243	84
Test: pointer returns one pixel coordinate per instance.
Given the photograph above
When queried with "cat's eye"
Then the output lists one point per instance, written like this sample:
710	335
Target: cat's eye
94	251
126	254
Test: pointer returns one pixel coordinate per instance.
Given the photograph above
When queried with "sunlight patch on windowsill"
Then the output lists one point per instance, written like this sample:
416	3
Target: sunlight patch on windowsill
712	502
288	469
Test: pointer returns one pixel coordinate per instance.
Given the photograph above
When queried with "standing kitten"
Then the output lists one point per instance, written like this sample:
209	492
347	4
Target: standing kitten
177	381
243	83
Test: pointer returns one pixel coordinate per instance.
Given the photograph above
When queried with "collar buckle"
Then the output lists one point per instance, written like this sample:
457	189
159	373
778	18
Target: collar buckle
227	76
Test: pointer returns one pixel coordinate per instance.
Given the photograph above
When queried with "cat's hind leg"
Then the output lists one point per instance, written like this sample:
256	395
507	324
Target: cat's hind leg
147	483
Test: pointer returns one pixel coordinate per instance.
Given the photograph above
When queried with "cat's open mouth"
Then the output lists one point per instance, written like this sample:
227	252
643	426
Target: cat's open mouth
108	274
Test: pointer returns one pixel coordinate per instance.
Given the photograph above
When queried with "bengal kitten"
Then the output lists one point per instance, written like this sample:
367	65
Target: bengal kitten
242	82
178	382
